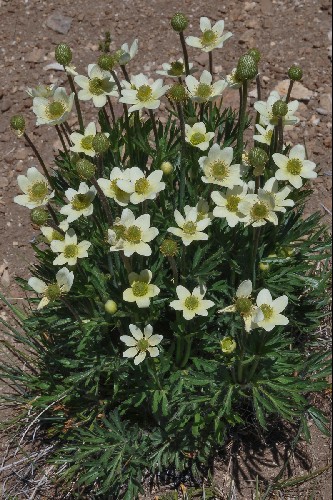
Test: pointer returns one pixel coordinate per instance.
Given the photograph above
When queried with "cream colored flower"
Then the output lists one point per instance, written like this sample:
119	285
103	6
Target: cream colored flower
259	208
244	306
227	205
96	86
265	109
204	90
51	234
212	37
83	142
44	91
270	310
55	109
190	228
202	208
294	168
232	81
132	235
141	290
35	188
265	134
140	93
191	304
140	187
175	69
69	249
197	136
80	202
280	197
141	343
218	167
53	291
111	189
126	53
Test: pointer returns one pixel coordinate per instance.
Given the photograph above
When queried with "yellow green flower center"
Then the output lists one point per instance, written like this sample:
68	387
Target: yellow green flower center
191	303
71	251
118	193
80	202
38	191
219	170
232	203
177	69
189	228
267	311
204	90
294	166
55	110
86	142
139	288
201	216
169	248
197	138
208	38
268	135
142	186
53	292
96	86
57	236
120	230
259	211
244	306
142	345
144	93
133	234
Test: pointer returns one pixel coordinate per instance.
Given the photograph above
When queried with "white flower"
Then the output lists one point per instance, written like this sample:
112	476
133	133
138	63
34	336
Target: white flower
280	201
142	94
51	234
265	134
96	86
52	292
141	291
141	343
80	202
45	91
265	109
227	205
190	228
175	69
204	90
35	188
232	81
132	235
141	188
55	109
294	168
244	306
218	168
127	53
197	136
259	208
191	304
270	310
202	208
69	249
83	142
111	189
212	37
71	70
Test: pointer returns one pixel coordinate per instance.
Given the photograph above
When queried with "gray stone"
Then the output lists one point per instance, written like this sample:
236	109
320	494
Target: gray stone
3	182
326	102
5	104
298	92
59	23
35	56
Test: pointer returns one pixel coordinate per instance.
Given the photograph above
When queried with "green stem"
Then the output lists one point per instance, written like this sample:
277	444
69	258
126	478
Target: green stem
187	352
182	41
182	163
76	101
39	158
210	55
111	110
104	201
62	140
280	135
125	108
124	70
152	117
290	88
256	237
174	270
64	131
242	121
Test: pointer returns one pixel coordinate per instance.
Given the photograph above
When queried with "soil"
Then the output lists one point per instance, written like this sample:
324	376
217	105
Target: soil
286	31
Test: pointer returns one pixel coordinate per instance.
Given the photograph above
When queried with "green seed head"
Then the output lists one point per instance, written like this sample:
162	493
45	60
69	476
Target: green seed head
295	73
100	143
85	169
39	216
191	303
177	68
53	292
63	54
179	22
177	93
244	306
246	68
280	108
17	123
255	54
257	158
228	345
107	62
169	248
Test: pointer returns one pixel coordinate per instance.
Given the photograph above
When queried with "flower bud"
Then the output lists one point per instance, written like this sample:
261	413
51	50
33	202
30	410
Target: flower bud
228	345
258	158
17	123
246	68
179	22
39	216
169	248
280	108
107	62
63	54
177	93
295	73
264	267
85	169
255	54
111	307
167	168
100	143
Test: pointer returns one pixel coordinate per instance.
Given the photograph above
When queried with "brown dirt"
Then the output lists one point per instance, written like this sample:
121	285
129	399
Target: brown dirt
286	31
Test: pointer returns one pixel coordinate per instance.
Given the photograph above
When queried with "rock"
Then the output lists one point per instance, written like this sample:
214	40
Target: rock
328	142
266	7
322	111
298	92
247	37
252	23
3	182
5	104
326	102
59	23
54	67
248	6
202	59
37	55
5	279
21	154
253	93
314	120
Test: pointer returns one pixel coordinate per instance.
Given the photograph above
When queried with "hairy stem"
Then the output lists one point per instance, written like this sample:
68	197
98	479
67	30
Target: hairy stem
182	41
76	101
39	158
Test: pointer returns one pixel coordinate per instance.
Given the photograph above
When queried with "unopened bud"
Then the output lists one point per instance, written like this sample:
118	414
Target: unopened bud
179	22
169	248
258	158
63	54
107	62
111	307
39	216
100	143
295	73
177	93
246	68
280	108
167	168
228	345
85	169
264	267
